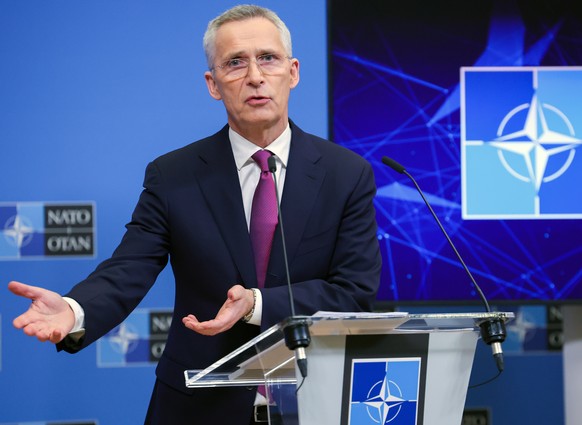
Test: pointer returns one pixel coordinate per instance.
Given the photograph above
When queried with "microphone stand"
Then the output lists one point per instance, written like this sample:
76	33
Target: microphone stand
493	330
295	328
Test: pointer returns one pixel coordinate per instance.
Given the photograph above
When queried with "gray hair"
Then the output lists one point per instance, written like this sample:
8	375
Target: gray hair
242	13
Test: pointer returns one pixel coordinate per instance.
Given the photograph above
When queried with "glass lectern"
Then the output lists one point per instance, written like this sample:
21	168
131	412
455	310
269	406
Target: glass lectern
361	367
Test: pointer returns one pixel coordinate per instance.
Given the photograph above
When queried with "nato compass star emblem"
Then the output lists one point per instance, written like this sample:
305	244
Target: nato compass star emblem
124	338
384	401
132	343
18	231
521	128
536	142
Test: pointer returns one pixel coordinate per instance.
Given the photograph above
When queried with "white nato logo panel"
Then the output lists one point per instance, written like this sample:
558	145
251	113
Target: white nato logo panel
384	391
42	230
521	128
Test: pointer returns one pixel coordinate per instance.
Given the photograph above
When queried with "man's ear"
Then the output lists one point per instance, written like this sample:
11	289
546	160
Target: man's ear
212	87
294	73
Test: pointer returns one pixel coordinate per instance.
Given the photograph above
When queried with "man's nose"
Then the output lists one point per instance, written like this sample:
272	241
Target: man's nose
254	72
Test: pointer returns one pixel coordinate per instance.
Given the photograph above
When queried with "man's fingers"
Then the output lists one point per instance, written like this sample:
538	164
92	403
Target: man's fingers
25	319
31	316
23	290
34	329
48	318
17	288
43	335
236	292
208	327
190	319
33	324
19	322
43	332
56	336
190	322
229	314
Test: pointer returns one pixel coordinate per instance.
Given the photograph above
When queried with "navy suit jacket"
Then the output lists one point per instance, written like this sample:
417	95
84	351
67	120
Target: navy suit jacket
191	212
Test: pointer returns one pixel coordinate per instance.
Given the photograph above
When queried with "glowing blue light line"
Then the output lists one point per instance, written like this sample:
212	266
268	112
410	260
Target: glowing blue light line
385	69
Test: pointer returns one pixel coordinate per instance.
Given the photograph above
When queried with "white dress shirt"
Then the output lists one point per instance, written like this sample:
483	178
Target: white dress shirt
249	174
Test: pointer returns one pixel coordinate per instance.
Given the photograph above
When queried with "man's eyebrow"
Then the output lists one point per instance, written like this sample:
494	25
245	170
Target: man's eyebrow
244	53
237	54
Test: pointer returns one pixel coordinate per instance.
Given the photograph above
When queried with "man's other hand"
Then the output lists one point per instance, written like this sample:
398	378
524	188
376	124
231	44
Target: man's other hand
49	317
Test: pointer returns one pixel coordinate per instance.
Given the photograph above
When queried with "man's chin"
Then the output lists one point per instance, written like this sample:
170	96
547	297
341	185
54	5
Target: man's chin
261	118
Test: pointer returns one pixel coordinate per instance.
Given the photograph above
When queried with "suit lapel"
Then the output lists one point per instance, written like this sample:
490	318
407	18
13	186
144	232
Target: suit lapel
219	182
303	180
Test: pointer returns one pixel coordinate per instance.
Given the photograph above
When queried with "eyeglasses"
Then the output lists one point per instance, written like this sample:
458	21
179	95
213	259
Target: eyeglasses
269	64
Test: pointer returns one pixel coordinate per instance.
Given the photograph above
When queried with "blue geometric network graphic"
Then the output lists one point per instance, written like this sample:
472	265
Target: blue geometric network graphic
505	182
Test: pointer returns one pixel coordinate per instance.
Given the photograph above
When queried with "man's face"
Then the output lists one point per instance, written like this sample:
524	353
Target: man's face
257	101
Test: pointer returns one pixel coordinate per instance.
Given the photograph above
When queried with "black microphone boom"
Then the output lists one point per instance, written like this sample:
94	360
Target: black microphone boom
493	330
295	328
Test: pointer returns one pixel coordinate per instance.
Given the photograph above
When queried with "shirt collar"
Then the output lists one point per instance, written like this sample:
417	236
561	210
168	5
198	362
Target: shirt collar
244	149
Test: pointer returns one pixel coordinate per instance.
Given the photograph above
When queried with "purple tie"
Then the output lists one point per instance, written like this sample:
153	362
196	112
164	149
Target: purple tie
264	217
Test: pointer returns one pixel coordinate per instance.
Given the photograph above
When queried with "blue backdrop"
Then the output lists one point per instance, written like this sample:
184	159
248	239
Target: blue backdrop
90	92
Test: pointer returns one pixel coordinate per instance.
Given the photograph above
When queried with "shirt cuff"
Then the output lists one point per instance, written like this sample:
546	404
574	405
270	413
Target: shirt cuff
258	312
79	315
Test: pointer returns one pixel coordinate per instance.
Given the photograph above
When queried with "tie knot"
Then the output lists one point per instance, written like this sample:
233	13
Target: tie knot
261	157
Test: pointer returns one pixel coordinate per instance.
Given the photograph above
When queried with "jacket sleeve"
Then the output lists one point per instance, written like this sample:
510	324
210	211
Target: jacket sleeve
118	284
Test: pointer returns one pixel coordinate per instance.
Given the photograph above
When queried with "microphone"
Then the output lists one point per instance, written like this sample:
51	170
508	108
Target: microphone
295	328
493	330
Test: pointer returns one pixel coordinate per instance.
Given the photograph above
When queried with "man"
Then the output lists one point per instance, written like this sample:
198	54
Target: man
195	209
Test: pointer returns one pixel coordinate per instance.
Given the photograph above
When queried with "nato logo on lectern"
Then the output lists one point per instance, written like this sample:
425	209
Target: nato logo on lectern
384	391
36	230
521	142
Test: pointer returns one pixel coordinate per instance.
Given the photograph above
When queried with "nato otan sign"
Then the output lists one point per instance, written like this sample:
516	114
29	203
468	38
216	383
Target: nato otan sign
36	230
